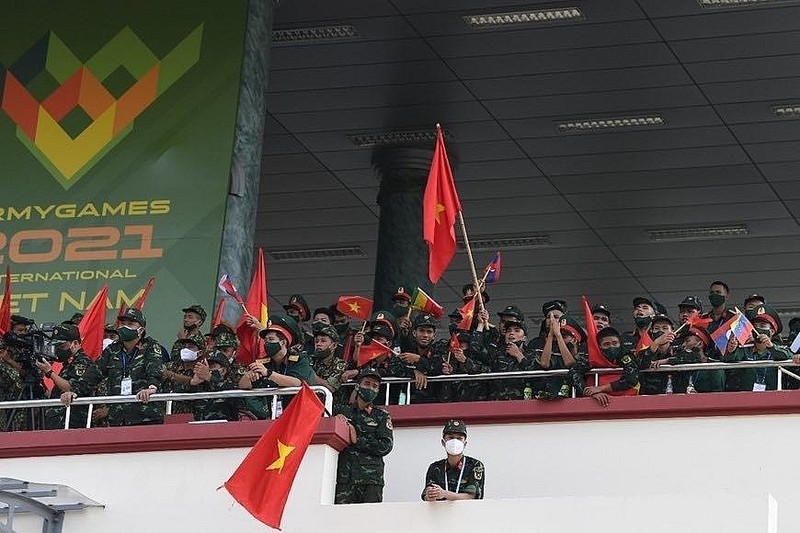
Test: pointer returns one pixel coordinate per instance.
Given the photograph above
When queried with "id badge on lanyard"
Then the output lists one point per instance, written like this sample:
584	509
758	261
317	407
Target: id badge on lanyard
126	385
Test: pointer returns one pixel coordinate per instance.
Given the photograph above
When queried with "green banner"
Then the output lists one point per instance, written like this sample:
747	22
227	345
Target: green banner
116	133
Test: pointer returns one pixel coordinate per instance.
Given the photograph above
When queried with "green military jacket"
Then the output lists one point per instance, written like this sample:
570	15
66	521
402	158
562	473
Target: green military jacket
144	366
468	481
361	463
744	379
83	375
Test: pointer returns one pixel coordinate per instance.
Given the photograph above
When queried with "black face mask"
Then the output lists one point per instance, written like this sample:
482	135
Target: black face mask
341	329
656	334
716	299
612	353
642	321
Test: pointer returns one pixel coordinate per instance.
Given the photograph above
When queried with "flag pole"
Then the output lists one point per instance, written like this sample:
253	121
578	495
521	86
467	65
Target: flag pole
471	260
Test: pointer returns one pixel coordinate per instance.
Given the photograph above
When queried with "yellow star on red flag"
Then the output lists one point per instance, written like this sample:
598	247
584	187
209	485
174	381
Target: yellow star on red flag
283	452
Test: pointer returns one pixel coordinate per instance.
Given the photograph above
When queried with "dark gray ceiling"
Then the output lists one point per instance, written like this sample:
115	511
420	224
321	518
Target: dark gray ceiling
722	157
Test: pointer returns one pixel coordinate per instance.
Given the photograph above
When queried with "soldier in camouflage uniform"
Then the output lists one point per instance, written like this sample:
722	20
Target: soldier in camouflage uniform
661	331
77	372
329	369
227	343
460	360
193	318
10	389
623	384
359	477
511	356
286	367
559	350
693	350
214	379
132	365
179	372
424	358
458	477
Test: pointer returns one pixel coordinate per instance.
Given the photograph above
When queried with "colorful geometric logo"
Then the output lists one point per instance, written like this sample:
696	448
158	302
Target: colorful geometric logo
70	114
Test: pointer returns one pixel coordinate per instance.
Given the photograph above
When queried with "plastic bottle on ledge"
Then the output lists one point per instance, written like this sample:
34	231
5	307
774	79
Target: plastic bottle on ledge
669	384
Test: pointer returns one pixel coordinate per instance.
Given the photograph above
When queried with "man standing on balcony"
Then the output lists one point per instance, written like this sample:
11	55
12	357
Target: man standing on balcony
359	477
458	477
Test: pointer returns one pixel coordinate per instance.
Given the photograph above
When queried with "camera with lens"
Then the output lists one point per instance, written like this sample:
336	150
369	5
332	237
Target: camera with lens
34	342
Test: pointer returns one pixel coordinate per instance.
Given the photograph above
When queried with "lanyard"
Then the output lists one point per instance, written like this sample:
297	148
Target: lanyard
460	475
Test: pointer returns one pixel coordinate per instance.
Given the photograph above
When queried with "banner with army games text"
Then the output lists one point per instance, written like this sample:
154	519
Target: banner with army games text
116	133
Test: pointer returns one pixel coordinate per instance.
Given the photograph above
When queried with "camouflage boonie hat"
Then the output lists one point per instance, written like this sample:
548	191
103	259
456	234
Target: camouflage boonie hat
226	340
132	313
197	339
196	308
328	331
368	372
65	332
455	426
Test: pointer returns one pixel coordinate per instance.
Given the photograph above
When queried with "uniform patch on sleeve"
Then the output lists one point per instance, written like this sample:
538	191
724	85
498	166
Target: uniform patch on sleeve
294	358
477	472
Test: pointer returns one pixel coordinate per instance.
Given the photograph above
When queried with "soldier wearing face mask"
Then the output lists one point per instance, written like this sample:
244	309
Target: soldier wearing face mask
767	324
663	336
77	372
457	477
359	476
401	308
423	358
625	383
132	365
511	356
285	366
717	297
328	369
215	379
178	373
559	351
693	350
643	313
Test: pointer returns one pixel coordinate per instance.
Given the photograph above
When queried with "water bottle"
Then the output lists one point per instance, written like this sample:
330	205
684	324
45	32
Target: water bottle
527	392
401	400
669	384
279	408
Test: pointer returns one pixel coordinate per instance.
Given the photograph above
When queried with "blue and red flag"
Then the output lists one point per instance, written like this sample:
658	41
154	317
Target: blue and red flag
492	271
226	285
737	326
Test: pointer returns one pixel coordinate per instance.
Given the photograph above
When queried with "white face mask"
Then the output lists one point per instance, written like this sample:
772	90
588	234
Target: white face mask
454	446
107	343
188	355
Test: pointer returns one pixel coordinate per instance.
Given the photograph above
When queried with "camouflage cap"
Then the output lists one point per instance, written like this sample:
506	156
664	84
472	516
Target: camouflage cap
65	332
692	302
219	357
368	372
328	331
196	308
197	339
425	319
455	426
382	330
512	311
642	300
554	305
520	325
227	340
602	309
754	298
222	327
296	301
662	317
132	313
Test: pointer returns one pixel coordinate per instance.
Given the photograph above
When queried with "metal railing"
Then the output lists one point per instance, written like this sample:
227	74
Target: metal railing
275	393
170	397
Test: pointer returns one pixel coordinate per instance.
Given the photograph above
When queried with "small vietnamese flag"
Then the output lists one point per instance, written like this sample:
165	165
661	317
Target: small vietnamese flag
371	351
420	300
356	307
645	341
467	312
262	482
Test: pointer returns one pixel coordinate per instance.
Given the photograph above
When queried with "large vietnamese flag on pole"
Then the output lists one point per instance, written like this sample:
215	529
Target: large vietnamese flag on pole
262	482
250	348
440	206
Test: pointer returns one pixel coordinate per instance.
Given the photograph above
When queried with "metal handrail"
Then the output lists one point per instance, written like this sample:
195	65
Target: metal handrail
275	392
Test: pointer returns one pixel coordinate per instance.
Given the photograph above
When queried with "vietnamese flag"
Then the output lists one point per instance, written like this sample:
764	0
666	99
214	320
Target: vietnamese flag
467	312
368	352
697	320
93	324
420	300
645	341
596	357
440	205
250	348
356	307
262	482
5	307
